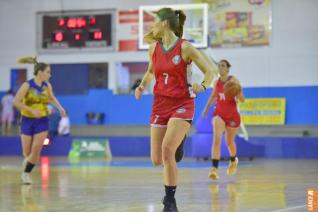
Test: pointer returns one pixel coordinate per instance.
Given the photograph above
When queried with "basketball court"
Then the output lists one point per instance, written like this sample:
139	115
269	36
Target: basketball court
97	54
133	184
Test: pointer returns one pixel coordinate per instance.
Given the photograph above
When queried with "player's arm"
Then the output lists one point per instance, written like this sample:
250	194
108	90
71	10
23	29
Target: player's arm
201	60
147	76
213	96
149	73
210	62
20	95
54	101
211	100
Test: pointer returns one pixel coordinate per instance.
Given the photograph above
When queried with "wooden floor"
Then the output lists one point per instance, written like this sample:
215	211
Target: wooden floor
130	184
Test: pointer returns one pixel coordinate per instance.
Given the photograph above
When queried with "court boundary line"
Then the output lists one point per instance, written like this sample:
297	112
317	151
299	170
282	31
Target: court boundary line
290	208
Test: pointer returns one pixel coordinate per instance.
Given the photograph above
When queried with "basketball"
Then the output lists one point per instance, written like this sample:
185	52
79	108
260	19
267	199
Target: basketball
231	89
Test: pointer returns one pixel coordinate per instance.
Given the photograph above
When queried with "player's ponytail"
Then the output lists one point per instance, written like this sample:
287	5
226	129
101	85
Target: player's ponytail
27	60
175	19
33	60
181	17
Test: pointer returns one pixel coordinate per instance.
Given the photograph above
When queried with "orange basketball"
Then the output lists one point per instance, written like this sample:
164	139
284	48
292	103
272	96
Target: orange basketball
231	89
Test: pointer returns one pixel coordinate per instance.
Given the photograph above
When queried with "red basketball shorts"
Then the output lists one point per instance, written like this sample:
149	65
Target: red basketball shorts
165	108
231	120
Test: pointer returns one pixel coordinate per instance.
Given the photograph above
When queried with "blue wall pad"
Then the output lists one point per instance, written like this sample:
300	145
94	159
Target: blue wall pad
126	110
288	147
202	143
195	146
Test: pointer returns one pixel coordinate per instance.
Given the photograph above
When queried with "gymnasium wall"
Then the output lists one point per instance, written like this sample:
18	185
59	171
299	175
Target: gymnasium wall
286	68
302	104
301	107
256	147
290	60
18	34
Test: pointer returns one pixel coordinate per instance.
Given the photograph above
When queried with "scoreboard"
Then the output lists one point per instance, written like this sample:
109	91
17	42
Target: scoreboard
76	31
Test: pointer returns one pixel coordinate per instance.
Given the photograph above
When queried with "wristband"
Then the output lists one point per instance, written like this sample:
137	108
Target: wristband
203	86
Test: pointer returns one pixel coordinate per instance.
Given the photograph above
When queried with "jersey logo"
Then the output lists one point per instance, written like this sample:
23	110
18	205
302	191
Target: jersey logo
232	124
44	92
35	92
181	110
176	59
222	96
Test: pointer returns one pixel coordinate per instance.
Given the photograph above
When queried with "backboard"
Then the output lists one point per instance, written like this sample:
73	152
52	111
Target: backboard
195	28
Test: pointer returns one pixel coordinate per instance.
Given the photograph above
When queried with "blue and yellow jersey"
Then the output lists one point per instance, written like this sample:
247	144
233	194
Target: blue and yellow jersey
37	97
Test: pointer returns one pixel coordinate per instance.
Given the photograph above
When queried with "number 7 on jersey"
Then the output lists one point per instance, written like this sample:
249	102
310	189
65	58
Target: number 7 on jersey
166	75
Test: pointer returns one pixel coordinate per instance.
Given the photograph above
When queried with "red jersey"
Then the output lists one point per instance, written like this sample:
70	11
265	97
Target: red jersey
170	70
227	108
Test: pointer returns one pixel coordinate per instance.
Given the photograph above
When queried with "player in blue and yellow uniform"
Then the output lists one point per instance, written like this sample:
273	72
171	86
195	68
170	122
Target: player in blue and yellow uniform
32	100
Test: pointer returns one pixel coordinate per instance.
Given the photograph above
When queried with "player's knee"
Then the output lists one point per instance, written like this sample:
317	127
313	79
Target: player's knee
217	141
156	158
36	149
156	161
229	143
167	153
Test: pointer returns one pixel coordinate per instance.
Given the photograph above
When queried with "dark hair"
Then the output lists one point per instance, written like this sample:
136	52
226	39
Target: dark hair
33	60
10	91
175	19
227	63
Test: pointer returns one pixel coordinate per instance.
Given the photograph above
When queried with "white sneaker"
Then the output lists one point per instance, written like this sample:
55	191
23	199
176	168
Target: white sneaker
232	167
26	179
24	163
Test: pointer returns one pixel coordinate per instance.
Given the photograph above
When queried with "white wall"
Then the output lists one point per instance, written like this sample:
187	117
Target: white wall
290	60
292	57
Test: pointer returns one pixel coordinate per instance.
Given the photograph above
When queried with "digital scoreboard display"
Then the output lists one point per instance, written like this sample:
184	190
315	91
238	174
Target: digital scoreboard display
76	30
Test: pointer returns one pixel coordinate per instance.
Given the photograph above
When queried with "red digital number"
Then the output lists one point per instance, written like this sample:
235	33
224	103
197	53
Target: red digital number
59	36
76	23
81	22
98	35
61	22
92	20
77	36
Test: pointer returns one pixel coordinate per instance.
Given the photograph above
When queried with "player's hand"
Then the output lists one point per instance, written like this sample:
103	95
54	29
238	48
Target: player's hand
138	91
197	88
62	112
36	113
205	112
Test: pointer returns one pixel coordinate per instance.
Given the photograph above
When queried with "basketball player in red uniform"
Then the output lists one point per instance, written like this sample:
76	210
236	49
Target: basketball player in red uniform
173	106
225	118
